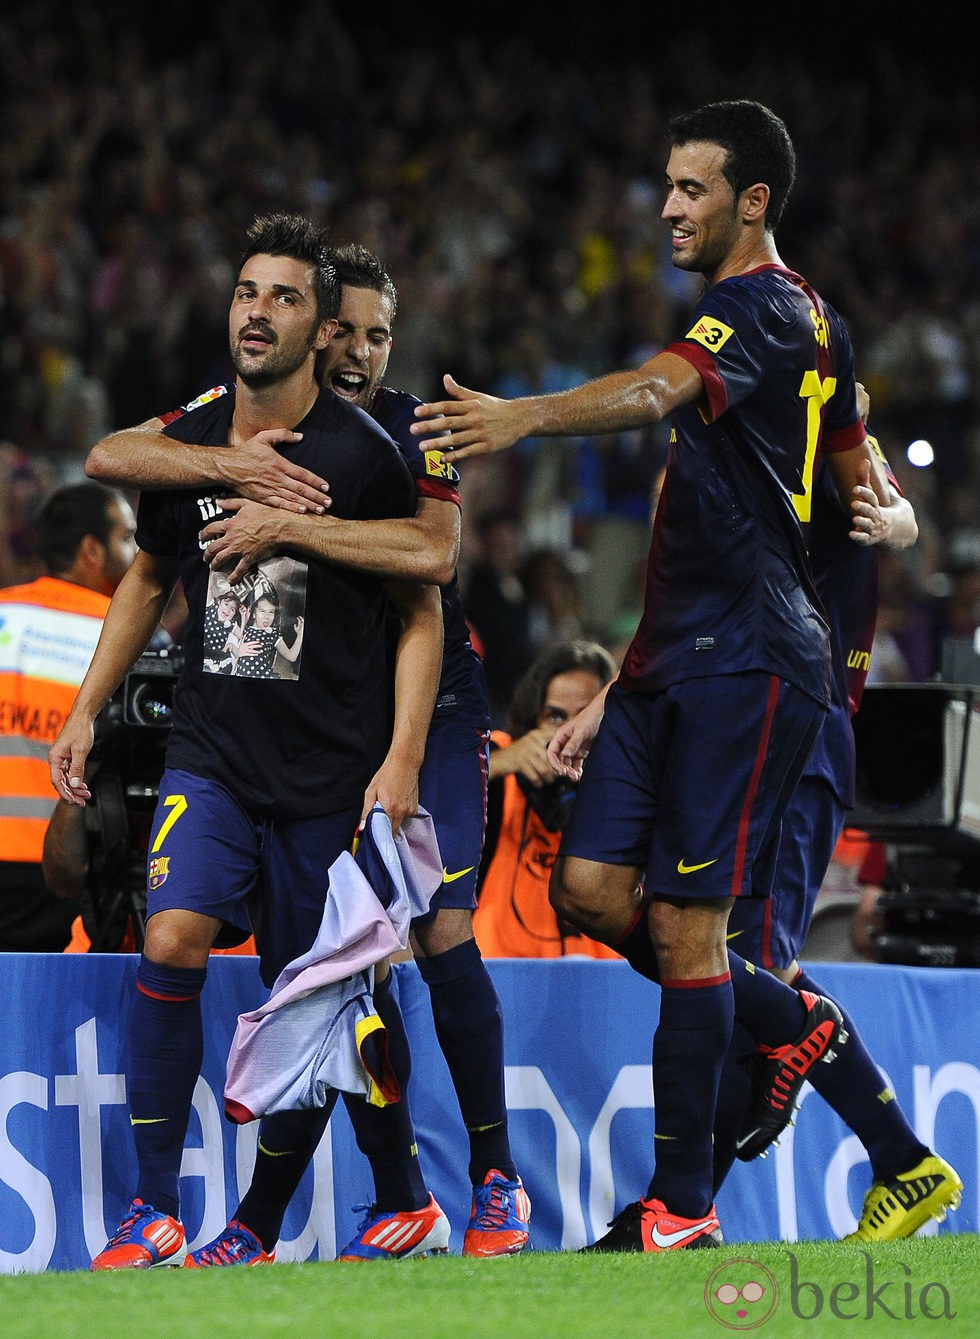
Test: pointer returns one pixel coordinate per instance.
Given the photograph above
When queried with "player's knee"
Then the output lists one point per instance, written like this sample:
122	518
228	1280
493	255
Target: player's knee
179	939
572	899
688	935
447	929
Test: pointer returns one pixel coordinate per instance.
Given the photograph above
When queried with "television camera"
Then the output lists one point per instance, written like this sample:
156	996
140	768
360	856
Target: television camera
918	791
126	763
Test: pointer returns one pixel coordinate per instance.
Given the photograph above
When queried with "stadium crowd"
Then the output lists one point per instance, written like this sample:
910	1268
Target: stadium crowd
512	187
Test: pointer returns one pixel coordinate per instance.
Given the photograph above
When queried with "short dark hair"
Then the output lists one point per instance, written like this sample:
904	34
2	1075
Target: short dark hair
531	692
757	147
358	267
300	239
66	517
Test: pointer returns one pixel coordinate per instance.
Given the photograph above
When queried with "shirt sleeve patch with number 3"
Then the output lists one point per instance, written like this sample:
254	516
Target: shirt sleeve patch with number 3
711	333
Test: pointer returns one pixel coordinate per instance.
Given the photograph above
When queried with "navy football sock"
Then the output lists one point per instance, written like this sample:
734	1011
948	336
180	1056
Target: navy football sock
762	1002
386	1135
164	1053
469	1025
734	1096
854	1088
689	1049
770	1009
287	1142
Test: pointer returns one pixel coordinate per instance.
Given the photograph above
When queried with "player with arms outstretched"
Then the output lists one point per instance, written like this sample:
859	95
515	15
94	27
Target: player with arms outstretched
696	748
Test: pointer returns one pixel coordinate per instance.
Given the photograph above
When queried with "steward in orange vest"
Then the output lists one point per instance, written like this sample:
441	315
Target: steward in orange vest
528	805
514	918
48	632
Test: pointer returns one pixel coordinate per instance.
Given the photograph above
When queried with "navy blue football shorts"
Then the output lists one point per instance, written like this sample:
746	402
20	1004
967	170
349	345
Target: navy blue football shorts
689	785
206	854
453	789
771	931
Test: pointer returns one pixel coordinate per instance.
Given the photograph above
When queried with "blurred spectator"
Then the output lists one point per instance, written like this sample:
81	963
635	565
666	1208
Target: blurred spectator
904	647
616	617
554	598
553	470
25	481
958	613
497	607
527	808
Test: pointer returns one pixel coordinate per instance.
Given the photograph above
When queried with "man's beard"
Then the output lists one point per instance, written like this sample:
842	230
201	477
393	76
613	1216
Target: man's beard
277	365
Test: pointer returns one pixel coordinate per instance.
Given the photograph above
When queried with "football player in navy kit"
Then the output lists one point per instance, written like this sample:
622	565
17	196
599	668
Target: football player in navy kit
452	787
266	779
696	748
910	1183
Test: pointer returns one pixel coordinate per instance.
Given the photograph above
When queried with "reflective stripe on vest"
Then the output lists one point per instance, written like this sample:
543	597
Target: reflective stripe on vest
48	633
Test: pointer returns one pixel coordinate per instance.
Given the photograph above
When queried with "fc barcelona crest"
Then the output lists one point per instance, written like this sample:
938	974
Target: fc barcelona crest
159	868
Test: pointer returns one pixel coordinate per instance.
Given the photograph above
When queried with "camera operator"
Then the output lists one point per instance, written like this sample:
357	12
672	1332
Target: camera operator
528	805
95	857
67	864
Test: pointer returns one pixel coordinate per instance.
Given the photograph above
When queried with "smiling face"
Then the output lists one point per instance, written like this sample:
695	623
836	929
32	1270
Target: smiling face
357	354
228	608
273	325
700	207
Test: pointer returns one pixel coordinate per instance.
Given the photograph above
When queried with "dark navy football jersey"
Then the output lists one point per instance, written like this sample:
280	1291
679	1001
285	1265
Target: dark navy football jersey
729	583
306	735
846	576
435	478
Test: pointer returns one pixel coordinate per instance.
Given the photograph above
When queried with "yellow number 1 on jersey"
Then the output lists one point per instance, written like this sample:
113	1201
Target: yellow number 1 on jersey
816	393
177	804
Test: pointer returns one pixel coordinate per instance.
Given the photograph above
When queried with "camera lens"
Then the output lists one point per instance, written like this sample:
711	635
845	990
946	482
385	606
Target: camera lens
152	704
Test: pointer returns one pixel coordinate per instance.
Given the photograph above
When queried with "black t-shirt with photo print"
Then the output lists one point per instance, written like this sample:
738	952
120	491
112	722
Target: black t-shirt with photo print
307	744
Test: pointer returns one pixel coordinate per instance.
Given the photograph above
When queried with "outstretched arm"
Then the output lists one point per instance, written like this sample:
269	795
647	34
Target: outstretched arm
146	458
479	424
890	523
288	652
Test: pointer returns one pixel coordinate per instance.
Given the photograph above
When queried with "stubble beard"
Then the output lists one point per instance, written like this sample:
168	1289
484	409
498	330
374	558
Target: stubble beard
276	365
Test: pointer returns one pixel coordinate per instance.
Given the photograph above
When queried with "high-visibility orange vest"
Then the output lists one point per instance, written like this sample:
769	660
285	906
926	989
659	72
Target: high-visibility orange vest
48	632
514	918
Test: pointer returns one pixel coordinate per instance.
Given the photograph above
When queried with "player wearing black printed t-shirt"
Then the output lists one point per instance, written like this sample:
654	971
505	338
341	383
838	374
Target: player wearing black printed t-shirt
267	778
452	788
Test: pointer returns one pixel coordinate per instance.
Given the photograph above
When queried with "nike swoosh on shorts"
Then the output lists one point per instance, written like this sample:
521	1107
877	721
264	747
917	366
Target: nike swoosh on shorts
692	869
451	878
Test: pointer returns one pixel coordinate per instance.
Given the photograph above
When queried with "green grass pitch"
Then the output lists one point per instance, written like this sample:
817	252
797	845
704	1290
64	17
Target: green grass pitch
810	1289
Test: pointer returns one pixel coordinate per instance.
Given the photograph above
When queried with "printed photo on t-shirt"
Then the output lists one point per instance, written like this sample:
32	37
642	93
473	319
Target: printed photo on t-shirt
254	629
